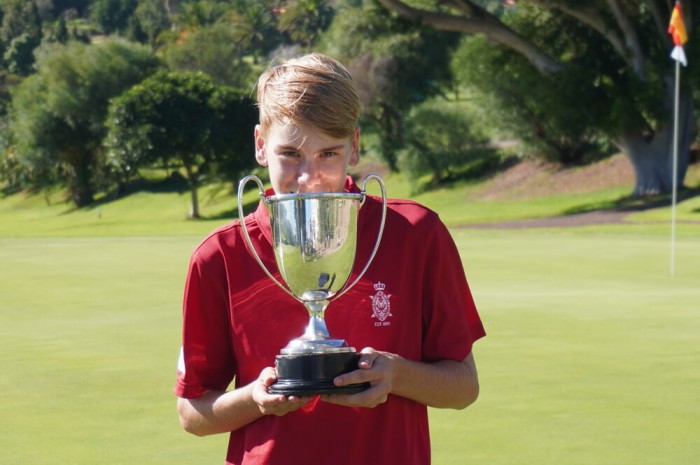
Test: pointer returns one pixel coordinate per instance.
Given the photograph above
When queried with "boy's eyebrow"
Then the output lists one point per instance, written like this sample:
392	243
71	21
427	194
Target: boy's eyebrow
286	148
332	148
324	149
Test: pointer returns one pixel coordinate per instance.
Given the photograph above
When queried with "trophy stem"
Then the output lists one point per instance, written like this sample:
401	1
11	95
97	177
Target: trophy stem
316	338
316	328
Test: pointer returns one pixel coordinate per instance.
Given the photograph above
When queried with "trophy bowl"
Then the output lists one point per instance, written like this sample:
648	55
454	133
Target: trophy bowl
314	238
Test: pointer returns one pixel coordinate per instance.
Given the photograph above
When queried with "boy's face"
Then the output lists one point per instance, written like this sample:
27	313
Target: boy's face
302	159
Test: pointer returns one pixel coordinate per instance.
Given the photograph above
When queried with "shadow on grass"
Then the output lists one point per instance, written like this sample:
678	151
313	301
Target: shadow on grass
484	166
174	183
629	203
232	214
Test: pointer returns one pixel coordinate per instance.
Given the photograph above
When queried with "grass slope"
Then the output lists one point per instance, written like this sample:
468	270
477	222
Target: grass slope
525	191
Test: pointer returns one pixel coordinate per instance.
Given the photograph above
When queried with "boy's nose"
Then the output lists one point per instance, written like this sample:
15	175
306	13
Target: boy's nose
308	178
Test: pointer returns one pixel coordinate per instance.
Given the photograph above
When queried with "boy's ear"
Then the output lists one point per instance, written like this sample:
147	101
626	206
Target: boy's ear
260	155
355	148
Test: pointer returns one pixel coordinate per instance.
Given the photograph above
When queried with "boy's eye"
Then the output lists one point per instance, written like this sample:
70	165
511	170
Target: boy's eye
329	154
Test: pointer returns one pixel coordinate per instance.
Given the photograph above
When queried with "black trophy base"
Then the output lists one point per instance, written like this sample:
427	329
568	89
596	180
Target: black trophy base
313	374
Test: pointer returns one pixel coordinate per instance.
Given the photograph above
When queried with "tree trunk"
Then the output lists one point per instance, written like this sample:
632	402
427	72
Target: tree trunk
649	159
652	157
391	126
82	196
80	183
194	185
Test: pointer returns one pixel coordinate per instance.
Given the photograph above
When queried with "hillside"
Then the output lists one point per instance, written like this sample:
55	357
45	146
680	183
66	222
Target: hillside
532	178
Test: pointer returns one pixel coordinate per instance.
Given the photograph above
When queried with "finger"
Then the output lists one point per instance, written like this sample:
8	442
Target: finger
369	398
367	357
367	350
353	377
366	362
268	376
282	405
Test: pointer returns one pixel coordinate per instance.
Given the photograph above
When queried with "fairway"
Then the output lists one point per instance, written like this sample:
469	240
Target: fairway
591	355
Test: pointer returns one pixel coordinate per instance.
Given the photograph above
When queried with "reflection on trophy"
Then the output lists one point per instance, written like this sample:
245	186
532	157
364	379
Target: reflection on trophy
314	237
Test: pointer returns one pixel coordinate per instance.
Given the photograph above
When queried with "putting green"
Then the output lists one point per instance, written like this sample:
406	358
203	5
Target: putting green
591	355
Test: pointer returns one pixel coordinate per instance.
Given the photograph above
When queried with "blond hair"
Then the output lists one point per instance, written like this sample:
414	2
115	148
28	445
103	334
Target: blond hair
311	90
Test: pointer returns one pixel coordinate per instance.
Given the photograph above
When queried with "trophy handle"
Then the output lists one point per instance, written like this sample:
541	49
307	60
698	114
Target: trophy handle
380	233
241	216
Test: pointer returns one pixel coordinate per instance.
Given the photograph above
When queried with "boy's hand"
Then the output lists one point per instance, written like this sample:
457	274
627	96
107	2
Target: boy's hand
274	404
374	367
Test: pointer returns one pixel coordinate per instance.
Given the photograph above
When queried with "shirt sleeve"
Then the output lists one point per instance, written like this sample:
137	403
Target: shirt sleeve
206	359
450	319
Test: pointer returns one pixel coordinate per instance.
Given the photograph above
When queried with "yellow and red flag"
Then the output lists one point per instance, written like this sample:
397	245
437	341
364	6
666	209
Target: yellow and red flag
676	28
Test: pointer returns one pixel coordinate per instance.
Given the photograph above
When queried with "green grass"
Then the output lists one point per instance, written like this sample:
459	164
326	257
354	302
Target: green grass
89	332
591	355
139	214
159	213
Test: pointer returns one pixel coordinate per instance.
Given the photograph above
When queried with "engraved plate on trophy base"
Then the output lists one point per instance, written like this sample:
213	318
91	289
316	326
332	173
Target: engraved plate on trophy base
313	374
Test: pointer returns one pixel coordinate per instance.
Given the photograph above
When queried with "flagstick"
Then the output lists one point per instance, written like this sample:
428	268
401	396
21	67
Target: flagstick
675	171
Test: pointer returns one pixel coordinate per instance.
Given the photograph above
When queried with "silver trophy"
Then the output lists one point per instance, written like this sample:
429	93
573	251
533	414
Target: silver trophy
314	237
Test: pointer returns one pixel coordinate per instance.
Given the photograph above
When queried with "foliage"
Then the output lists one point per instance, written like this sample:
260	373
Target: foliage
558	117
547	113
441	140
112	15
606	63
59	112
181	120
396	63
194	14
20	34
254	27
612	82
19	56
214	51
305	20
79	6
148	22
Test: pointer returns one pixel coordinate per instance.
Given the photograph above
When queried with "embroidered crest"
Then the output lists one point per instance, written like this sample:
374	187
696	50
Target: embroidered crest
381	306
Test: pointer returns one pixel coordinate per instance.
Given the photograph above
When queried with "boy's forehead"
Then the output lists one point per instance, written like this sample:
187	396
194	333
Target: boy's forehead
297	135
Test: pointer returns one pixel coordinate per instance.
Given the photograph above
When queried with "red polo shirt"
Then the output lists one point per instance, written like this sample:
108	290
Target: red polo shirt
413	300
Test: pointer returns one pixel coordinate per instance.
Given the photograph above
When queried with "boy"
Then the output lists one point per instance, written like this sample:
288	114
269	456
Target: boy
416	351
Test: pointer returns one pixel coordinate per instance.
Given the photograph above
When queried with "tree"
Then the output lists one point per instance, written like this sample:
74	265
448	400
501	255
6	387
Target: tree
112	15
59	112
19	56
547	113
305	20
20	34
253	26
396	64
214	51
182	119
636	93
194	14
148	22
80	6
442	141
